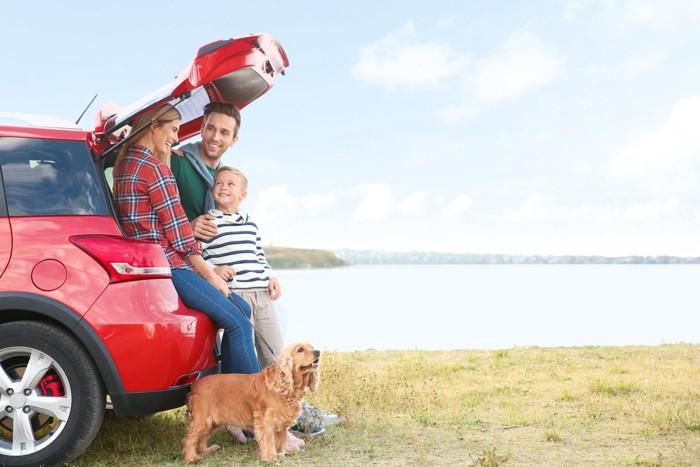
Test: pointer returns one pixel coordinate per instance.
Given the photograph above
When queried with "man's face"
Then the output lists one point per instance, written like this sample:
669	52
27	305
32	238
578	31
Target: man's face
217	136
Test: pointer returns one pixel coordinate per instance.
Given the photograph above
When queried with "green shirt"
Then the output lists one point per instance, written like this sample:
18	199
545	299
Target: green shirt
192	188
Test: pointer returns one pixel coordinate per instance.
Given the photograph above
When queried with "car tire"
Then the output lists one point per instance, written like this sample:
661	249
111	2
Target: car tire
49	414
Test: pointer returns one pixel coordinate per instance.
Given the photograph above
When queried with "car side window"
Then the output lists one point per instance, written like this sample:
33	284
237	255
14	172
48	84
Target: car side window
49	178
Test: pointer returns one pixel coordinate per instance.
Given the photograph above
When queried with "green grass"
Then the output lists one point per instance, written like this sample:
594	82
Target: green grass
522	406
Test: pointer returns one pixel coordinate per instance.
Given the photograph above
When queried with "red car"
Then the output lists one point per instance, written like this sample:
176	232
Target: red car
90	319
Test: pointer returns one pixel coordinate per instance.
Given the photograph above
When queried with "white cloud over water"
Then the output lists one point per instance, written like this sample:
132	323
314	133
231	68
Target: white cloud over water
666	147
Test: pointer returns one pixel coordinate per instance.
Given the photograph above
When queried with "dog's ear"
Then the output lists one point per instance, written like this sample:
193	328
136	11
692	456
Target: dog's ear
314	379
281	379
286	364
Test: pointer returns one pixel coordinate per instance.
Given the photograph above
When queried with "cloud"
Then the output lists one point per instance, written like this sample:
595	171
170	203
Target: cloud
651	210
277	202
376	203
318	201
669	146
399	60
457	207
523	63
661	14
627	68
274	201
533	208
413	204
594	212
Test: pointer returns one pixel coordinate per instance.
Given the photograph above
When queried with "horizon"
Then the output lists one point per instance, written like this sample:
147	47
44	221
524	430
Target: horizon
556	128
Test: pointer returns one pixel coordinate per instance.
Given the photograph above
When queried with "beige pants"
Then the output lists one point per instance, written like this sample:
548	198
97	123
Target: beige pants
267	328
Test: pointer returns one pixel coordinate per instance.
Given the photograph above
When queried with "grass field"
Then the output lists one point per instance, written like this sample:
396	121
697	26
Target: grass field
573	406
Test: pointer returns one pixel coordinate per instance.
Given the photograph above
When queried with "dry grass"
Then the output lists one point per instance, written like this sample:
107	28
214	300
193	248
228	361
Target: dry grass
523	406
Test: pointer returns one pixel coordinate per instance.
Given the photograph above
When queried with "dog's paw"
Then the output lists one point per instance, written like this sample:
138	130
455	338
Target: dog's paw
212	449
192	459
292	449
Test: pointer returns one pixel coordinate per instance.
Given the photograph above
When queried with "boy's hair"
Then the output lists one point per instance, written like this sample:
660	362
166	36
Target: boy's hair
224	108
238	173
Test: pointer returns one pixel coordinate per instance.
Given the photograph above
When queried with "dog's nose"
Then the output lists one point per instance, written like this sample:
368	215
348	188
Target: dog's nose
317	353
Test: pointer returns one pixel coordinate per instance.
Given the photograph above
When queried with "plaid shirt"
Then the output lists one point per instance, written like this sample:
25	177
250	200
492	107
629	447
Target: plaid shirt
148	205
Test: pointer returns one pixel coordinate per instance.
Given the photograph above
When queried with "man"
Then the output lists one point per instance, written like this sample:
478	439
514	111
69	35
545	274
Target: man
194	164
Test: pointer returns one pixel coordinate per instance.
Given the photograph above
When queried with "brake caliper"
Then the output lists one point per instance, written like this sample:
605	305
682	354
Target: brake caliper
51	386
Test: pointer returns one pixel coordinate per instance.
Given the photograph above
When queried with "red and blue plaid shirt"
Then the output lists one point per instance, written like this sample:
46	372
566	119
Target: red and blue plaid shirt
148	205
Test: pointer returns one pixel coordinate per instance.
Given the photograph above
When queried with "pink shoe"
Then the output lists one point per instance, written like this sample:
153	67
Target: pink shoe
294	441
237	433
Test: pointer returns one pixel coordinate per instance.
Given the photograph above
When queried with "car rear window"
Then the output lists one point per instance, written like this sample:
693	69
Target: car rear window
49	178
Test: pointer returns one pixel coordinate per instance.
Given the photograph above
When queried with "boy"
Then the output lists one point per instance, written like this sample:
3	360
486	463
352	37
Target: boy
237	255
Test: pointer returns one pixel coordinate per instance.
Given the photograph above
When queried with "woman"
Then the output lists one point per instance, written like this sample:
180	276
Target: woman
148	208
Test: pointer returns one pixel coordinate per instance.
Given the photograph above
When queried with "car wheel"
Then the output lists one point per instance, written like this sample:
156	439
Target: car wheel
52	401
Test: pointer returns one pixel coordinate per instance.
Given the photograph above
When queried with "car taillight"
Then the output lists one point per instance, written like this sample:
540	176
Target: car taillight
125	259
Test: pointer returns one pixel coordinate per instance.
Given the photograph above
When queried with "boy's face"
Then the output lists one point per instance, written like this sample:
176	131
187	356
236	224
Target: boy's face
228	191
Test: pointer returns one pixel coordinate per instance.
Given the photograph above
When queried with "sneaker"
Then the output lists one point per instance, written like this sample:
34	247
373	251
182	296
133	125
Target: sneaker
318	416
294	441
305	429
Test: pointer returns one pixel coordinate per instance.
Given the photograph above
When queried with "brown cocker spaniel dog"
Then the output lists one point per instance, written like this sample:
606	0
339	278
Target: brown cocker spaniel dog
266	403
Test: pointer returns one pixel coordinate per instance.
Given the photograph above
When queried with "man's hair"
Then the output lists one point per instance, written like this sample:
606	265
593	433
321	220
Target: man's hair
238	173
224	108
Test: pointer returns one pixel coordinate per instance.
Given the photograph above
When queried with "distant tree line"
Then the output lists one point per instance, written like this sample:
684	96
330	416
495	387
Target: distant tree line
427	257
301	258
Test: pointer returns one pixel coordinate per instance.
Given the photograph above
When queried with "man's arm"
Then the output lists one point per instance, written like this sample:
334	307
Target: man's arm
204	227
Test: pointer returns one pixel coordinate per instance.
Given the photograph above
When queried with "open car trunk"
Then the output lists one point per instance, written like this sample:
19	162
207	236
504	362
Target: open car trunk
236	71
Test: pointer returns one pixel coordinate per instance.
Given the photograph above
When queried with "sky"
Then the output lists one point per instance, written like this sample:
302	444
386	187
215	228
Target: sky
540	127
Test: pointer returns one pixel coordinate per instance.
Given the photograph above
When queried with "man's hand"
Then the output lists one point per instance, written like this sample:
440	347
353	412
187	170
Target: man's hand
204	227
275	288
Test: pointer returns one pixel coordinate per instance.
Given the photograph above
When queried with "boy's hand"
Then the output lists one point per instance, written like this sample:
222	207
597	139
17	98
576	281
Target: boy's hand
204	227
225	272
275	289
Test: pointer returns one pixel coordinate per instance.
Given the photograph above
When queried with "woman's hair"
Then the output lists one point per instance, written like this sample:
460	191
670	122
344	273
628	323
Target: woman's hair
160	115
238	173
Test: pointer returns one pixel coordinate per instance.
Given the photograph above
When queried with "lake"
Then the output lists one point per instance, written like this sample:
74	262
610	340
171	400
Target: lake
444	307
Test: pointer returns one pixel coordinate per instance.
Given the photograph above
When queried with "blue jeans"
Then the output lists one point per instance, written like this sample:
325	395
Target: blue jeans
237	348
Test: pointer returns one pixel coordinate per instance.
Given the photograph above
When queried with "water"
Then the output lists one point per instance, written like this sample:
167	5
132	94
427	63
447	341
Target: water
490	306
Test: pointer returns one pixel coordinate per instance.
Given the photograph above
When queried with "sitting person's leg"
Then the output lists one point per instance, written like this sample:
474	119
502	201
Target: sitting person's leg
237	348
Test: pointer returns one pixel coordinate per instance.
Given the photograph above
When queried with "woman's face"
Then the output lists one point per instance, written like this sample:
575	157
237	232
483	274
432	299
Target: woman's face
165	136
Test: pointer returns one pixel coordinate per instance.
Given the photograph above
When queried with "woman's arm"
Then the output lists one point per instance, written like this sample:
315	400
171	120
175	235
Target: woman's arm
208	274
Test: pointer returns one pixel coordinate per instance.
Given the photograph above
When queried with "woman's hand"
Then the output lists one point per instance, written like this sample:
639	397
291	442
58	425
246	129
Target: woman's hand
208	274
